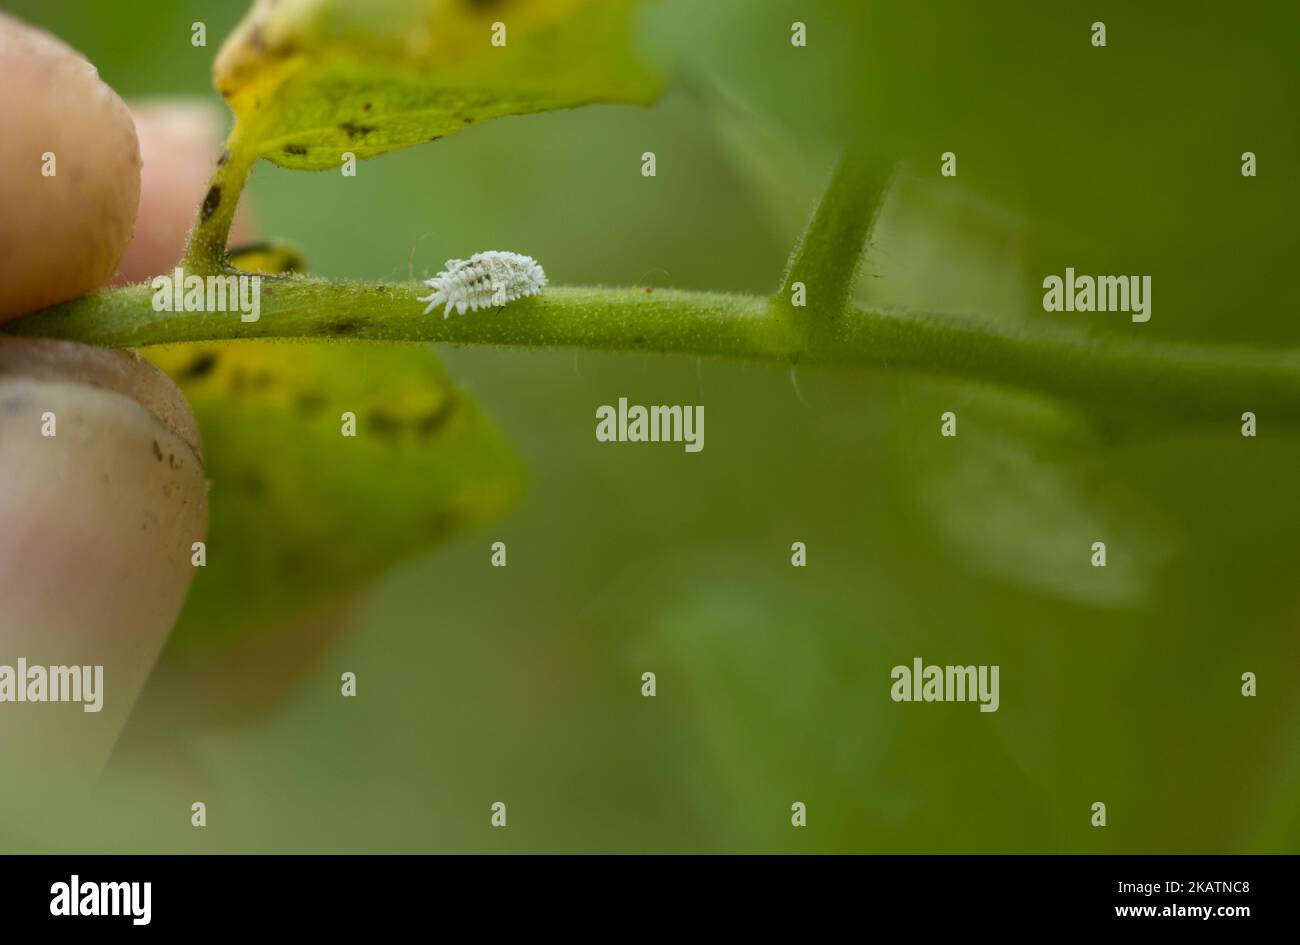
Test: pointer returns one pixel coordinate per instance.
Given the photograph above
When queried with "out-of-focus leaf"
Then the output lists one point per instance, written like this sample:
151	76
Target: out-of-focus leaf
788	695
1023	491
271	258
783	177
301	512
310	79
940	247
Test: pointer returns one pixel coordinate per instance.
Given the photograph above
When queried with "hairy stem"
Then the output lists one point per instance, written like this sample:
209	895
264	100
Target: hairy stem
1149	379
206	253
826	258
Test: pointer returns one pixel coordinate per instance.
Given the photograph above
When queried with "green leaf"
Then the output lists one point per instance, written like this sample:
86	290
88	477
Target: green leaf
1023	491
268	257
301	512
758	663
310	79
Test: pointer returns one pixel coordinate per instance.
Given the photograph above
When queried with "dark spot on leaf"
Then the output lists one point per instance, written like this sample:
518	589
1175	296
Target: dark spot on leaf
441	522
384	423
258	246
353	130
639	340
157	451
253	485
469	120
238	380
200	366
257	39
211	202
649	289
295	149
435	138
366	107
172	461
432	421
310	403
344	327
225	156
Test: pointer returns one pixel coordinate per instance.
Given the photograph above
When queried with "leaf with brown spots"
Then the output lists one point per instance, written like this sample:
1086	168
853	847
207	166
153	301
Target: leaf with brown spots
310	79
301	513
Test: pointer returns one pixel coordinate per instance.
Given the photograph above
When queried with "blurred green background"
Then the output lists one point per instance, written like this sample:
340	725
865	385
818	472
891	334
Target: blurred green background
522	684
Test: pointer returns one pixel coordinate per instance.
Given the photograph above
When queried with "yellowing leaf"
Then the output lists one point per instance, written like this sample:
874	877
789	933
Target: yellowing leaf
301	512
310	79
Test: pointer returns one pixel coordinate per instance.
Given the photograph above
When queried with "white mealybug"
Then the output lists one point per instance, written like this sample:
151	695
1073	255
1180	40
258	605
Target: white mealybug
485	280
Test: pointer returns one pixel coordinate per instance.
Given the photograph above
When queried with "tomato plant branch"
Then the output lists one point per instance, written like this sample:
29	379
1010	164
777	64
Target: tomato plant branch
1190	382
819	277
206	253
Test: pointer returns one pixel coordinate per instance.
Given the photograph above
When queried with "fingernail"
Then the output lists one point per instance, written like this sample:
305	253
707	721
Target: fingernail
71	167
102	495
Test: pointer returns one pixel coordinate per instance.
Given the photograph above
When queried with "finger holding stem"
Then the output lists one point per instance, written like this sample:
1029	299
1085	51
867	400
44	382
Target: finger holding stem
102	495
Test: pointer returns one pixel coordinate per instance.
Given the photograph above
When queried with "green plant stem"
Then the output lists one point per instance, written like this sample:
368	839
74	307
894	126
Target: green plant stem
206	252
829	252
1144	379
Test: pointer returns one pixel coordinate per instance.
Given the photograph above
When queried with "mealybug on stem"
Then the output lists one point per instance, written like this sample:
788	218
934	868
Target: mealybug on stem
485	280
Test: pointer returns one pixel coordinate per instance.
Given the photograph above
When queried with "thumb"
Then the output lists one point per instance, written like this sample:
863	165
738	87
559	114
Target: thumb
102	494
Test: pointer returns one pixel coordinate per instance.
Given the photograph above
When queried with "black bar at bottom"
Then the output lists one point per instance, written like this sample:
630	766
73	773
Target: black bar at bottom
371	894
